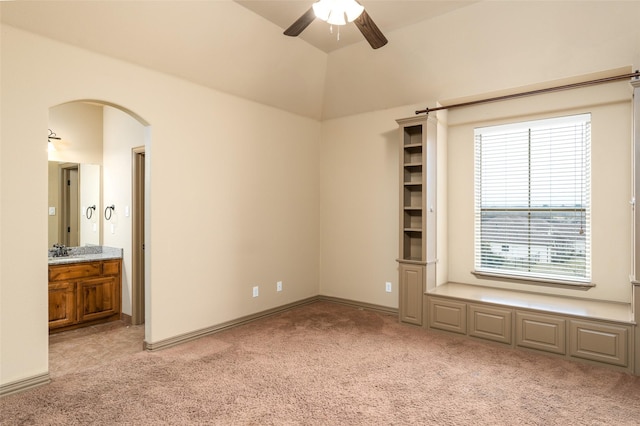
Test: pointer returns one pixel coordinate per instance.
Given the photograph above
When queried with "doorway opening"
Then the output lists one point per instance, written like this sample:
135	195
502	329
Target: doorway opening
111	138
69	210
137	247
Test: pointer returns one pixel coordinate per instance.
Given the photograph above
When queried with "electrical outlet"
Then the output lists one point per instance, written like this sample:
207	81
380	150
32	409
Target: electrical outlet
387	287
256	291
279	286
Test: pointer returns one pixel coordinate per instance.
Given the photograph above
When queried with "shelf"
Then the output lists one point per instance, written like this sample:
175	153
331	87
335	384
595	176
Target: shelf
412	146
412	196
412	221
412	245
412	136
412	260
416	165
412	157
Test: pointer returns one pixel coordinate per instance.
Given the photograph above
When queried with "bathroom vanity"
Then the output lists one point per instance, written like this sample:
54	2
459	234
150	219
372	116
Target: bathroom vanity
84	287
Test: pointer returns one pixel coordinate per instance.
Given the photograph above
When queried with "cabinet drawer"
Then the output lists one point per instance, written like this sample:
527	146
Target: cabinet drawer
111	267
490	323
448	315
76	270
599	342
542	332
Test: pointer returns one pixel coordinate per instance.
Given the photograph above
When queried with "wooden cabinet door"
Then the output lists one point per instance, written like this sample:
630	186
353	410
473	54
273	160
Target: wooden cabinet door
411	290
98	298
62	304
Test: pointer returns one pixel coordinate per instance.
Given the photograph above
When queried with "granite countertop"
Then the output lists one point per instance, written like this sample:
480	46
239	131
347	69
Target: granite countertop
87	254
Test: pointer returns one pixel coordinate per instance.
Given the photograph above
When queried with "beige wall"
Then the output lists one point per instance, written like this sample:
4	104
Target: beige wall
233	196
122	132
359	207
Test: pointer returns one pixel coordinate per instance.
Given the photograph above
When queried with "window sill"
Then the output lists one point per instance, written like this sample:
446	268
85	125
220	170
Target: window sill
575	285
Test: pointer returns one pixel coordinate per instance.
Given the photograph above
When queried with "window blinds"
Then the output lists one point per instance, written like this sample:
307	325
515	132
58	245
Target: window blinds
532	199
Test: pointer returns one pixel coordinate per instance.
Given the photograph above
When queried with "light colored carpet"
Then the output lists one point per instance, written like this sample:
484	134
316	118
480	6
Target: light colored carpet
328	364
76	350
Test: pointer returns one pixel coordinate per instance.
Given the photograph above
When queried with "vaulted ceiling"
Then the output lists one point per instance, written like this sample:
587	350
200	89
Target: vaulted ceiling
388	16
232	46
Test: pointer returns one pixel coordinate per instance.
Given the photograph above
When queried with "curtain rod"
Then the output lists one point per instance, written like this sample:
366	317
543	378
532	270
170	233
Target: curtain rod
635	74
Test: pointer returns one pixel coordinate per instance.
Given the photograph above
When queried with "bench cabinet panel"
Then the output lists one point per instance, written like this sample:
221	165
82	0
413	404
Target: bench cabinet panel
448	315
490	323
542	332
596	341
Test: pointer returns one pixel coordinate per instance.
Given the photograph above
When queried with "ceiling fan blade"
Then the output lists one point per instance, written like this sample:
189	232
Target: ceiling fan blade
303	22
370	30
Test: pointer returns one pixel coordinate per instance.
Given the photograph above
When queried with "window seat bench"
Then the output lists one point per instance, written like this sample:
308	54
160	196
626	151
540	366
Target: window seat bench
581	329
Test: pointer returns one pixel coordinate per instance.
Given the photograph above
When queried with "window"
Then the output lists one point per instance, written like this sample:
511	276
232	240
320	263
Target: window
532	200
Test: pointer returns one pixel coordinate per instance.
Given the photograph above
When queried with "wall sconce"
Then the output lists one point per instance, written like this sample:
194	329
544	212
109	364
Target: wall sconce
52	135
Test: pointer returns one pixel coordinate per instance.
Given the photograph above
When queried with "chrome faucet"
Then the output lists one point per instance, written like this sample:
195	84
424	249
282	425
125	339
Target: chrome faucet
59	250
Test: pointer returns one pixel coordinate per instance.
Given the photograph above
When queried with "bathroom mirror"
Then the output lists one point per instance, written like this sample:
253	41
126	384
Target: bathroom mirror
74	204
75	145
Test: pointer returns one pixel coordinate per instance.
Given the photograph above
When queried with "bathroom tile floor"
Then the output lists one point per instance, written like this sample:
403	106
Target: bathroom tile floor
73	350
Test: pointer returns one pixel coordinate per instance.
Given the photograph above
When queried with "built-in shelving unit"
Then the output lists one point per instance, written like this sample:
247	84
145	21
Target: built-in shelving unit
415	135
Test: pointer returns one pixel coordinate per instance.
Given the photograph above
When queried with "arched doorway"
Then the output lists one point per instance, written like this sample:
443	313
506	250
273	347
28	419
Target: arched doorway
115	139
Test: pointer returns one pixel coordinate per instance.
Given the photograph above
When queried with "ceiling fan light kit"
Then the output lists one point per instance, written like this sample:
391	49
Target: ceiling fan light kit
339	12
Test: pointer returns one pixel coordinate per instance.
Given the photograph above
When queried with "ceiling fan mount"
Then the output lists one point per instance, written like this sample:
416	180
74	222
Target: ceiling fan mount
339	12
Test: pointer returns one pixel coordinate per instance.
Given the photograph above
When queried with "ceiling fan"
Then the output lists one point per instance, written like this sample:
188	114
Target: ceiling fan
339	12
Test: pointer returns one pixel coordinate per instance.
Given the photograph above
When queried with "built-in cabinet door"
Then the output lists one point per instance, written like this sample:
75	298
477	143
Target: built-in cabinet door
98	298
62	304
449	315
596	341
490	323
411	289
